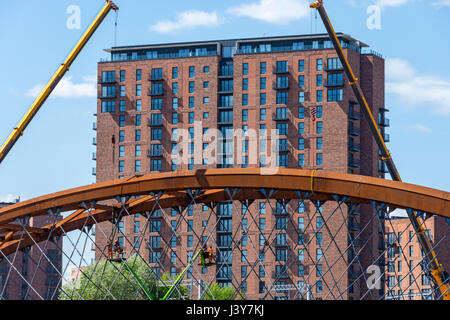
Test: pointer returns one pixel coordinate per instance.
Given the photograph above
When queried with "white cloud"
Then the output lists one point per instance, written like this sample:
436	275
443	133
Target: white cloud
273	11
390	3
187	20
414	89
8	198
442	3
66	88
419	128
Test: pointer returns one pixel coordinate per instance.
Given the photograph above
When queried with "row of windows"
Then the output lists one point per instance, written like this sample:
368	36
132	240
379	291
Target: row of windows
156	74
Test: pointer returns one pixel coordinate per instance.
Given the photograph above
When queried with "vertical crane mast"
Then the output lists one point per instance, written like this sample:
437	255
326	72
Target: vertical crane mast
436	269
18	131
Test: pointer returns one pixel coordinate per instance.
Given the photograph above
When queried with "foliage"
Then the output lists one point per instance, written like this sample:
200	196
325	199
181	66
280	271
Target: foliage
108	280
216	292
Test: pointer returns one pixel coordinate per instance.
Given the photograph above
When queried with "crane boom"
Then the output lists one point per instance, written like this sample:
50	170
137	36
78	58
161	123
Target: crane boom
18	131
436	269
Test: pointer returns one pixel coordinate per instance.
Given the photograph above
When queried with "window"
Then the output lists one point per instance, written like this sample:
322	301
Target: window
319	95
156	104
175	88
109	106
282	129
335	79
301	65
137	165
206	84
319	65
157	74
122	91
121	136
245	99
137	150
138	120
334	64
301	255
244	115
156	134
301	97
191	117
282	97
138	74
205	115
262	98
155	164
206	69
301	112
191	71
138	135
262	114
282	82
245	69
319	254
121	165
108	91
138	90
122	75
319	143
191	86
282	66
335	94
301	128
319	159
138	105
175	73
262	83
301	81
191	102
122	107
319	112
205	99
319	127
301	144
121	151
245	84
262	67
301	160
319	80
121	121
174	118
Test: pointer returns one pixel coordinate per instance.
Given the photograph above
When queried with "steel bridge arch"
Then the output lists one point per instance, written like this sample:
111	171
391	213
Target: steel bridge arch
90	203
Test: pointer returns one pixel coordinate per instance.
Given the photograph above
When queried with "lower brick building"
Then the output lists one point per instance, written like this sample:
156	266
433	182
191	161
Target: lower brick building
27	274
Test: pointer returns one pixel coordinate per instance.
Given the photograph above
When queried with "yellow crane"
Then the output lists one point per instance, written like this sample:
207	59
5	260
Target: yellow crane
18	131
436	269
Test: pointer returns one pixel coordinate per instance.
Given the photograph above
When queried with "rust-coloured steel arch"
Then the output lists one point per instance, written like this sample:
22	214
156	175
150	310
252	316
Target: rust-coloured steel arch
214	186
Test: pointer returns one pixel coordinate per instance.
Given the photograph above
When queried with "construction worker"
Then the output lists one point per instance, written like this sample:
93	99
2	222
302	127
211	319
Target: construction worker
209	254
109	250
118	249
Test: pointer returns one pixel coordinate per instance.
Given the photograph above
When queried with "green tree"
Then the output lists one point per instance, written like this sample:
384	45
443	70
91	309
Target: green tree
103	281
215	292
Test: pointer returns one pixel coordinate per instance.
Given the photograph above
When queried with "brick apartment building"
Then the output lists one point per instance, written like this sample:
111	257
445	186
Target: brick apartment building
148	94
39	278
406	275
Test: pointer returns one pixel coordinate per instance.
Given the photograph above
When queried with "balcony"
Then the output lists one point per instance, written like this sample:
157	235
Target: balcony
155	93
280	117
355	147
94	141
354	115
108	96
352	130
107	81
94	126
353	226
94	156
94	171
384	122
154	122
354	163
155	77
280	274
281	70
386	137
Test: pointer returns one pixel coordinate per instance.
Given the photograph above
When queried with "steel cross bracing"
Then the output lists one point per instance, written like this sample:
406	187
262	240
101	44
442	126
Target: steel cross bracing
256	246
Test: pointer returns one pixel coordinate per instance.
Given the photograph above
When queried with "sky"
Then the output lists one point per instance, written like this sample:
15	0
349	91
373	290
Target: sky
55	153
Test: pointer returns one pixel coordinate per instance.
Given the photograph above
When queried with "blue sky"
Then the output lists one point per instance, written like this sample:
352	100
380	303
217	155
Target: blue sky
56	149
